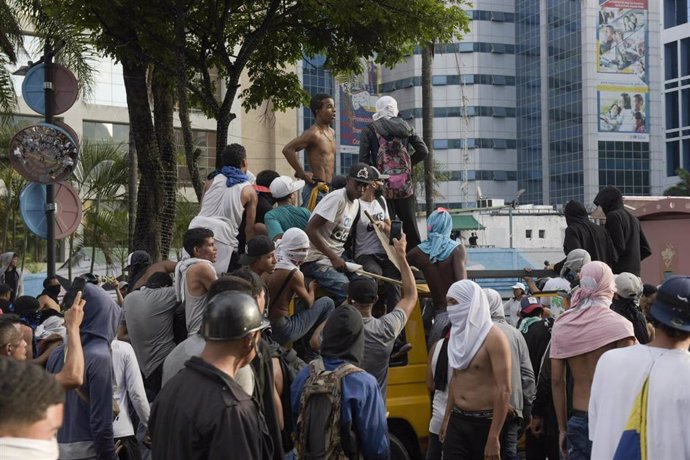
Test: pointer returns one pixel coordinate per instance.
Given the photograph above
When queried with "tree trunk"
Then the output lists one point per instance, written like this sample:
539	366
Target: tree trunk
428	124
222	124
150	200
131	190
191	155
163	108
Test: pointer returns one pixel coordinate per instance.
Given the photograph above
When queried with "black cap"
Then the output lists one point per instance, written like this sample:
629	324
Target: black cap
5	288
361	172
257	247
363	290
672	304
138	257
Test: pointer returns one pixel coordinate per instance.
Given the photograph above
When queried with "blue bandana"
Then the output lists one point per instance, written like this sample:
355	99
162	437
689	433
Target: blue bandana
438	245
234	175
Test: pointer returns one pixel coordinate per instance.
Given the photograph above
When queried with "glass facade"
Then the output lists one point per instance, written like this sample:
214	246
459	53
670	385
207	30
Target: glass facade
528	97
625	165
315	79
676	12
677	104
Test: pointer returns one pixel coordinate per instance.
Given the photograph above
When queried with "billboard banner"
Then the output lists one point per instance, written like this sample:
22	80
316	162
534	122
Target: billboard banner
358	96
622	62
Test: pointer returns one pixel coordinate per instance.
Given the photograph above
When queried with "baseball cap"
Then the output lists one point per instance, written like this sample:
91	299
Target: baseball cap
575	260
363	290
628	286
377	174
257	247
519	286
361	172
138	258
282	186
672	304
529	304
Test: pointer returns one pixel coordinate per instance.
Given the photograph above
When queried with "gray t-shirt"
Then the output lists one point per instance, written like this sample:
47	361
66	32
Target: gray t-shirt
379	337
193	346
149	314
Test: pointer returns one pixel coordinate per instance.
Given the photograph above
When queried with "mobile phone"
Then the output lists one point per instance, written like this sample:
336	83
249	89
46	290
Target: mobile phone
396	231
78	284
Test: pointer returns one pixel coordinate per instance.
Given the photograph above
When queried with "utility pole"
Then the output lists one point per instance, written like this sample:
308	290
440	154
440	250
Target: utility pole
428	123
49	91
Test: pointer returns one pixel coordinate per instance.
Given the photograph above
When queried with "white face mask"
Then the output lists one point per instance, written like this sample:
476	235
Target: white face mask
23	448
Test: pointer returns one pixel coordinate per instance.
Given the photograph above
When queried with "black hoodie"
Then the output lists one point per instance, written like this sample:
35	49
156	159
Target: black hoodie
343	335
389	128
582	233
627	236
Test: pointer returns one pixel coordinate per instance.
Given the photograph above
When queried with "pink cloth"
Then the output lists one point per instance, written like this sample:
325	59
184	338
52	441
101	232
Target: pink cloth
589	324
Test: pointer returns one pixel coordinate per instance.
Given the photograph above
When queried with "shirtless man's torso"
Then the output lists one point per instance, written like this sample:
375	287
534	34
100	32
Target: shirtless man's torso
439	276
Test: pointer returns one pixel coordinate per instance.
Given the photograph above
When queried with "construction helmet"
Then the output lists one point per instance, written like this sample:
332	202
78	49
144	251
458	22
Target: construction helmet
231	315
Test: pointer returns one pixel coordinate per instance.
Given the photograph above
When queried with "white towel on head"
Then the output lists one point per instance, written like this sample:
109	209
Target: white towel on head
470	320
292	249
386	107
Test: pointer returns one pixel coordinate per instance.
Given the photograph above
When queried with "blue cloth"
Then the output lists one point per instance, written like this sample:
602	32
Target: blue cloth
577	434
234	175
295	327
438	245
87	430
361	404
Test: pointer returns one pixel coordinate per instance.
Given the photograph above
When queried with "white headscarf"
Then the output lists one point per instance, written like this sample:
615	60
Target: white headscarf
23	448
495	304
386	107
471	322
290	249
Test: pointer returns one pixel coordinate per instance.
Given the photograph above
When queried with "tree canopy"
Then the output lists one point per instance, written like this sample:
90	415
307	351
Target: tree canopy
682	188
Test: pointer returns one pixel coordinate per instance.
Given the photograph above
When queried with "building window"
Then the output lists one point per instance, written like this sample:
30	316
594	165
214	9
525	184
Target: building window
440	144
675	13
685	57
439	80
685	108
672	158
500	143
500	112
542	234
671	60
528	234
498	80
672	110
686	154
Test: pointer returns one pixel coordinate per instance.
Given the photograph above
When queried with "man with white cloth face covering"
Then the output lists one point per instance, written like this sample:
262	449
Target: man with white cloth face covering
479	354
285	282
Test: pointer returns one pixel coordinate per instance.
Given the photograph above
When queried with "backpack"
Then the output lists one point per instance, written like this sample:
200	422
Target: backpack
393	159
318	431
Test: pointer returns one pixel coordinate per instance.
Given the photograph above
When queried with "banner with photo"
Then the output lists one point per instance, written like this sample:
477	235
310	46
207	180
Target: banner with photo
357	105
622	80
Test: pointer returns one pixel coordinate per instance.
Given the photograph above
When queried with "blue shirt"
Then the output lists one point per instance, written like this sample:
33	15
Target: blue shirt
361	404
281	219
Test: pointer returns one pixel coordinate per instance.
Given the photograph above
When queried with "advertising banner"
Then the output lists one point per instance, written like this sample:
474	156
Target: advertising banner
358	95
622	62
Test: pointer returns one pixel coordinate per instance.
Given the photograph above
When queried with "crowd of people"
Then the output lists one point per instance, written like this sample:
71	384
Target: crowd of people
271	338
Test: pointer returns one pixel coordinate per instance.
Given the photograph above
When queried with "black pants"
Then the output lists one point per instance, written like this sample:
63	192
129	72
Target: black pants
405	209
154	382
541	448
130	448
466	437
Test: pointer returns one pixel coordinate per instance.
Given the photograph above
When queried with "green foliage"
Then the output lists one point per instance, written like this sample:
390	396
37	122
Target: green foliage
682	188
441	174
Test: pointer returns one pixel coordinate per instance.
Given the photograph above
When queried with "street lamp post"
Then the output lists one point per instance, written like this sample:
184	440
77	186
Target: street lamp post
510	214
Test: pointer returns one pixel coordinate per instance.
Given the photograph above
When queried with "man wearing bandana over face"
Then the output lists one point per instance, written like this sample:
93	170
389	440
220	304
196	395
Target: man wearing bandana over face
286	282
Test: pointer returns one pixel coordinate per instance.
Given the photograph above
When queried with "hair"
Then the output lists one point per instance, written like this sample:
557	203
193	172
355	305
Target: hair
46	282
194	238
648	289
626	100
9	333
265	177
5	288
25	305
638	97
229	283
233	155
671	333
316	102
252	278
26	392
159	280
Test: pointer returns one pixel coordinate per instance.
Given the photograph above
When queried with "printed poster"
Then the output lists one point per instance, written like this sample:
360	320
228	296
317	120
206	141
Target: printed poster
358	96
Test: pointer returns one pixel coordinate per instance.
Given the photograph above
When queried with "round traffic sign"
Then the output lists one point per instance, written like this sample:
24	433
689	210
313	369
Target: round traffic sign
65	89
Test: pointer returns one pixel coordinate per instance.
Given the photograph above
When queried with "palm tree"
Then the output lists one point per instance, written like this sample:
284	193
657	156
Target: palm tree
10	43
682	188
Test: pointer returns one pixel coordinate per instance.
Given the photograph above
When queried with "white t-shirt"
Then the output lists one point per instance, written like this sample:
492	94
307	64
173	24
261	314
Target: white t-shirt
511	310
555	303
128	386
339	213
617	381
438	408
367	242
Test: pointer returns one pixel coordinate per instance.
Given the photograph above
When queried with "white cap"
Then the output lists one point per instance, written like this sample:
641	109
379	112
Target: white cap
519	286
283	186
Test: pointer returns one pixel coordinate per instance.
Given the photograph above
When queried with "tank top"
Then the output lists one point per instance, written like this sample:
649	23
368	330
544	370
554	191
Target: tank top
222	203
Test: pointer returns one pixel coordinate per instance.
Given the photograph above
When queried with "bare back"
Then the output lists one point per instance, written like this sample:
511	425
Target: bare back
320	152
439	276
280	304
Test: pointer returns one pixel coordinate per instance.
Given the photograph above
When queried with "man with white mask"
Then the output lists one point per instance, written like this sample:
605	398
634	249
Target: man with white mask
31	407
286	282
391	145
479	354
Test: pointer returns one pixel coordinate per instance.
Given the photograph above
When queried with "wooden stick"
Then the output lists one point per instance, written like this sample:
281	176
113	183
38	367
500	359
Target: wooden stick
421	288
390	252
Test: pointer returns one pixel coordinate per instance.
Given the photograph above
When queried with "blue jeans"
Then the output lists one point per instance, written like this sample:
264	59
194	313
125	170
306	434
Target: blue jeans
509	441
329	279
306	194
577	434
290	328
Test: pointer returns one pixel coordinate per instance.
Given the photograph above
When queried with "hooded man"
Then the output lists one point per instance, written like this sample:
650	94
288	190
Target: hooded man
580	336
521	380
582	233
628	291
442	260
9	273
479	354
626	234
362	409
88	426
387	128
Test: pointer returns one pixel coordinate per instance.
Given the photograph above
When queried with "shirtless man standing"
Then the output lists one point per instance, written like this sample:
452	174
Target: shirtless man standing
580	336
319	144
286	282
442	260
194	275
479	354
